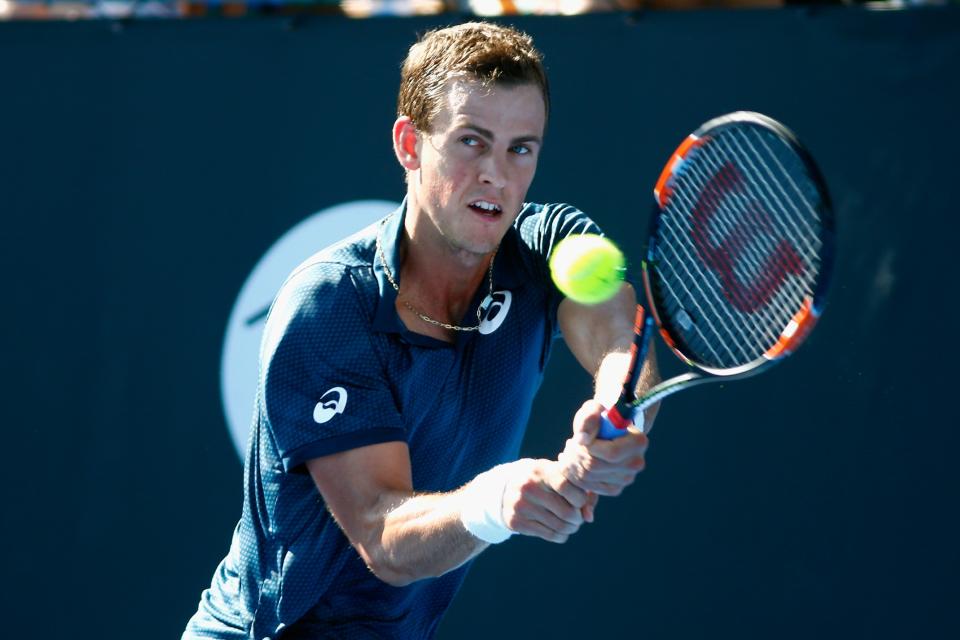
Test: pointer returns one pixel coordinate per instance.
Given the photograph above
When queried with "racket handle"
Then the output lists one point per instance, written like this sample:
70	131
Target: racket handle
615	420
613	423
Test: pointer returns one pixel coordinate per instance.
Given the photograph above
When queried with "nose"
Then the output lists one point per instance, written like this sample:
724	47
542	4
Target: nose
492	173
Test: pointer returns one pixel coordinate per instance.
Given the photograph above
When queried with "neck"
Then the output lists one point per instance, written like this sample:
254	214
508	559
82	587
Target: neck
441	286
433	270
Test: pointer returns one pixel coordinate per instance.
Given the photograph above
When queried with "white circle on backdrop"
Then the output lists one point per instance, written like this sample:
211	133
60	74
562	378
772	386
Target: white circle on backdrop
239	362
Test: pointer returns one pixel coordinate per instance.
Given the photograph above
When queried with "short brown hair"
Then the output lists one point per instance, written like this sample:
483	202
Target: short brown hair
490	53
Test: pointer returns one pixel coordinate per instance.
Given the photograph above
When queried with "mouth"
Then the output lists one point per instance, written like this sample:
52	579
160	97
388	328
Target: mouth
486	208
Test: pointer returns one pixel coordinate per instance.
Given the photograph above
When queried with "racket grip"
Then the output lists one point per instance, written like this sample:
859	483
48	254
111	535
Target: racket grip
613	423
609	431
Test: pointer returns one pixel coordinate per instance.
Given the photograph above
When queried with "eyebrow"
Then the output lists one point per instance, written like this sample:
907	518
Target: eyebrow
489	134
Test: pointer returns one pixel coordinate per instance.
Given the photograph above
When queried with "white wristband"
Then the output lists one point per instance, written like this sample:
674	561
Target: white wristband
482	510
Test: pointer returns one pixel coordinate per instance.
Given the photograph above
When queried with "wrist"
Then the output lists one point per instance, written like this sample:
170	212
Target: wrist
608	381
482	510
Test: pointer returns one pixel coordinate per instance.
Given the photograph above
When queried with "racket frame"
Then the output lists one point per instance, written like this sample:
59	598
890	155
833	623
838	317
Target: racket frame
630	406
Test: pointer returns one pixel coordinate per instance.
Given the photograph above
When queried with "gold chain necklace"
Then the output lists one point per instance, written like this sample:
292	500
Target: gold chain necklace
417	312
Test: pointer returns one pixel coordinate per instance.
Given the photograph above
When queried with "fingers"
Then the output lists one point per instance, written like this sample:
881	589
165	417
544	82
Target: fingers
622	450
574	495
542	502
605	467
586	457
586	425
589	509
586	422
613	487
539	530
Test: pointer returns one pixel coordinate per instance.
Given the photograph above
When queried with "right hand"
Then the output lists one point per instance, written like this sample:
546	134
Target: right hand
538	500
606	467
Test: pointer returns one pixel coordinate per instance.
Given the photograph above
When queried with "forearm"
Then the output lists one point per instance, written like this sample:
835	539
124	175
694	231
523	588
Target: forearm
610	375
404	536
418	536
400	534
600	336
426	535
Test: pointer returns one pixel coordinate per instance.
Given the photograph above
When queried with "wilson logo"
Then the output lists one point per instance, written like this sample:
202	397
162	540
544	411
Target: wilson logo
331	403
723	256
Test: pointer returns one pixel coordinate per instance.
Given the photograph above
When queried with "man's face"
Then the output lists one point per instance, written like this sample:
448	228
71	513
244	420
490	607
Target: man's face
477	164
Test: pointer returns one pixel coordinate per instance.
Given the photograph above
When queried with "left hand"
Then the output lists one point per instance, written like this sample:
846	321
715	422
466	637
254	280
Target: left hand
604	467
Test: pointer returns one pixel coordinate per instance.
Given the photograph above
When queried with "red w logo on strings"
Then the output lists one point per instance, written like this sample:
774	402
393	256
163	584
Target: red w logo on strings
722	257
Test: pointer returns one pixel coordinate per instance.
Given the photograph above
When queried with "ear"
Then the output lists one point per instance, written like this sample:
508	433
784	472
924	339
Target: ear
406	143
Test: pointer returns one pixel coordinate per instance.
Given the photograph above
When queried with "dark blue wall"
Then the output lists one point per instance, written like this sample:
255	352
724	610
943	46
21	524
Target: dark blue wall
145	168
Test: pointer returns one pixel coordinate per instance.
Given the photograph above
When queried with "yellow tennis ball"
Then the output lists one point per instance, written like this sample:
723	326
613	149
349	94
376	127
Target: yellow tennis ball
587	268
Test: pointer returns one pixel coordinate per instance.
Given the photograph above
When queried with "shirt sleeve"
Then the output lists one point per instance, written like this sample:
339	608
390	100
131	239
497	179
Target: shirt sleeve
323	387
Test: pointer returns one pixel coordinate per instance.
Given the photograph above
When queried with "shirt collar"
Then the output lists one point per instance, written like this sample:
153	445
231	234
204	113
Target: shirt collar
388	231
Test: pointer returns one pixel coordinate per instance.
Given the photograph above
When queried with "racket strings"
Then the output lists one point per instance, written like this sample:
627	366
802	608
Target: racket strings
699	297
754	261
743	229
763	311
767	247
772	268
806	239
795	233
785	212
675	305
716	297
704	300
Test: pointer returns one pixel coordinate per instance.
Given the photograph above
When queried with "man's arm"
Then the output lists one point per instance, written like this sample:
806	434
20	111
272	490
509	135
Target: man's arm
403	536
600	337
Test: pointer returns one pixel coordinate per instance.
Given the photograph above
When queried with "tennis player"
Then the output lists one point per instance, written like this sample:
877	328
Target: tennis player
398	370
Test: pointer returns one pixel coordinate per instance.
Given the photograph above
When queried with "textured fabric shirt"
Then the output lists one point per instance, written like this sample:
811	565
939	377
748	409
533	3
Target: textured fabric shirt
339	370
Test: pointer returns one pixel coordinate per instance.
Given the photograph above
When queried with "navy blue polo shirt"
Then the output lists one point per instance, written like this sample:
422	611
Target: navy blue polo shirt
339	370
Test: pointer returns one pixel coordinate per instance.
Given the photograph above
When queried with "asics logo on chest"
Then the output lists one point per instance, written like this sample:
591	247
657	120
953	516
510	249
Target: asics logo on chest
495	308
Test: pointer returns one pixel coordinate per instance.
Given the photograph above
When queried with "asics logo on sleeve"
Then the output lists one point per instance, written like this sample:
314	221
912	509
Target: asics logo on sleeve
331	403
494	311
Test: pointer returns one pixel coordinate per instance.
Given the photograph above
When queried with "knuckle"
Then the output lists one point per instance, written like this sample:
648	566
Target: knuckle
571	492
528	487
584	469
569	514
575	472
608	490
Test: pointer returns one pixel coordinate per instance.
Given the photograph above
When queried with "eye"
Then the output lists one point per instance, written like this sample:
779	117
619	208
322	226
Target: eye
521	149
470	141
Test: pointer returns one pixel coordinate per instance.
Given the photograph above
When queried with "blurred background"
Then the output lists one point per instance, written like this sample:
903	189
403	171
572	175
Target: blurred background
164	164
91	9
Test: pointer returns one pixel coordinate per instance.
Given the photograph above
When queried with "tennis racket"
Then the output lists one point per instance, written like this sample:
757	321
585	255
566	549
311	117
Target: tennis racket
738	260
